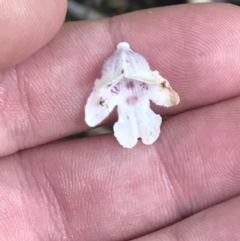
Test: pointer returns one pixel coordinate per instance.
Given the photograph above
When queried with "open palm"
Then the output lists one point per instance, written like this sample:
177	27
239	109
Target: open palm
184	187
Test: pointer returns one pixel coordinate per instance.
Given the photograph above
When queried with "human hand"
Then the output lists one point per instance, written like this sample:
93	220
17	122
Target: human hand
92	188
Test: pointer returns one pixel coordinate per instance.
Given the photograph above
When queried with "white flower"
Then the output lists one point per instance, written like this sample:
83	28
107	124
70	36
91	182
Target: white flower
128	83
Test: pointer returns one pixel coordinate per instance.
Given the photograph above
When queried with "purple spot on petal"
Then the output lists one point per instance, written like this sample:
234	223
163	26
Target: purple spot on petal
131	100
144	86
130	85
115	89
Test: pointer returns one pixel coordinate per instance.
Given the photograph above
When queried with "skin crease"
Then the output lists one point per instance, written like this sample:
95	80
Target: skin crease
180	188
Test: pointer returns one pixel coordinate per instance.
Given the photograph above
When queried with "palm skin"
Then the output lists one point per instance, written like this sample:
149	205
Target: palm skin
184	187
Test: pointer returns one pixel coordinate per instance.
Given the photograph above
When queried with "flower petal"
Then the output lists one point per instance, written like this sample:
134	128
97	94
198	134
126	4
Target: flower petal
163	94
137	122
135	66
99	105
113	68
150	126
125	62
126	129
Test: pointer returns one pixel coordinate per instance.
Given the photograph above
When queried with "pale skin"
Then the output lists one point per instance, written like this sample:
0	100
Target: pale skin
185	186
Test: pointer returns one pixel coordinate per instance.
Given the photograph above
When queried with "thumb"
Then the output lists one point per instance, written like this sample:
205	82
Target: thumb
27	25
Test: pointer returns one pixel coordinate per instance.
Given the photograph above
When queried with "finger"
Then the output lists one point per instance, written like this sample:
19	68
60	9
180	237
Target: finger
27	25
93	189
52	106
220	222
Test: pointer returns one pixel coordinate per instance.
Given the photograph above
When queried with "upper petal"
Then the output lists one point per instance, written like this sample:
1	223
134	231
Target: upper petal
135	66
113	68
125	62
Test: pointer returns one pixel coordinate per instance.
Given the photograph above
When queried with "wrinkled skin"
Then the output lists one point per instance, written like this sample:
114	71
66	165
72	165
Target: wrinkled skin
185	186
